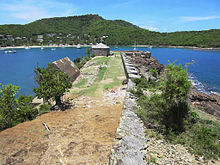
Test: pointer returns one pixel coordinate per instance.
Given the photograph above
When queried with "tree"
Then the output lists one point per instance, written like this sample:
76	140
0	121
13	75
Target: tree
14	110
52	83
77	60
88	51
175	87
92	55
168	108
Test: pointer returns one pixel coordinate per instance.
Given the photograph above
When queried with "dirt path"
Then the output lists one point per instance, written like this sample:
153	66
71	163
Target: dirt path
77	136
81	135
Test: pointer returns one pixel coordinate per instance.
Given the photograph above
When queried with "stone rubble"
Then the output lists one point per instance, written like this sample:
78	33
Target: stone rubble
165	153
130	137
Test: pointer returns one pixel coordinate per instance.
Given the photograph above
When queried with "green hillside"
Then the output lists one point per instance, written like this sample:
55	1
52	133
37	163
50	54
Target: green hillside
90	28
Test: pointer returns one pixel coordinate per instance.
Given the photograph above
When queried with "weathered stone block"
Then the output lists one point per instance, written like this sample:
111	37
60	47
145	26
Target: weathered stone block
68	67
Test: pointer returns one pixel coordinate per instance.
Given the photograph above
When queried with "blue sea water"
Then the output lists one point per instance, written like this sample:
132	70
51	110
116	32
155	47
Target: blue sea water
204	68
17	68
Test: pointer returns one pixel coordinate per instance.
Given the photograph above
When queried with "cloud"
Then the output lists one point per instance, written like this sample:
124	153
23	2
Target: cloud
151	28
199	18
30	10
126	3
27	12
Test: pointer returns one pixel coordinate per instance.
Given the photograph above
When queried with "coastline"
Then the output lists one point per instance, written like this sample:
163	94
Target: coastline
141	46
205	91
45	46
170	46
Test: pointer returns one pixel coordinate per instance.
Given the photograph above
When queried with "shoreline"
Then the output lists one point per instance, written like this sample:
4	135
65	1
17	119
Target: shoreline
44	46
170	46
141	46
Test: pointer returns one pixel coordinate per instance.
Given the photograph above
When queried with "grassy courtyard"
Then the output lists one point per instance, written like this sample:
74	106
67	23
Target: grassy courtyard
110	74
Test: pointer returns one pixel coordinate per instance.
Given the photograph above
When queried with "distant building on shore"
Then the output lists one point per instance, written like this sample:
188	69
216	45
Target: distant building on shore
68	67
101	50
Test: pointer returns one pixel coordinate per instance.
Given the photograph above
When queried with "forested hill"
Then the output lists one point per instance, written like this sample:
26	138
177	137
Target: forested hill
90	29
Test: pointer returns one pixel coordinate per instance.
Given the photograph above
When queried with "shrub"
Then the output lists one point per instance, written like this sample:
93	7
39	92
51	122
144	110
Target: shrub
52	83
92	55
88	51
175	87
14	110
145	84
168	113
80	62
170	108
44	108
201	139
205	141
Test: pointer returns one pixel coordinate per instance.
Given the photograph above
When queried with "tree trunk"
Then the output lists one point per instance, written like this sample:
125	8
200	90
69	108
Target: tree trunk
58	100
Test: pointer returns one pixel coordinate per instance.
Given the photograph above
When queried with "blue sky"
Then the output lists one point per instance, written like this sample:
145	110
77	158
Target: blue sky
156	15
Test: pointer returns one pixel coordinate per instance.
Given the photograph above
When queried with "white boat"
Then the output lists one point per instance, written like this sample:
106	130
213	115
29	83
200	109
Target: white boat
53	49
27	47
42	48
135	46
10	51
78	46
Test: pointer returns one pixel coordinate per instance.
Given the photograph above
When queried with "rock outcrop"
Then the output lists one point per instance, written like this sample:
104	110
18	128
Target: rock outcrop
144	59
138	63
208	103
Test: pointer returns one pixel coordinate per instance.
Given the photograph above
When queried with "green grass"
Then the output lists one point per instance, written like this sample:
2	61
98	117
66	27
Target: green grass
102	71
116	53
90	91
112	71
153	159
110	85
44	108
101	60
81	83
89	70
201	139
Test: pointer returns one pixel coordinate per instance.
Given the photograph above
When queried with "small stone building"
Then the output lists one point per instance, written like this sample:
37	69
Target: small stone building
68	67
101	50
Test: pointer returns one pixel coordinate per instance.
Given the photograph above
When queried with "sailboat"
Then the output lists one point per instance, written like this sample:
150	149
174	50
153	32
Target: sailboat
116	46
78	46
135	46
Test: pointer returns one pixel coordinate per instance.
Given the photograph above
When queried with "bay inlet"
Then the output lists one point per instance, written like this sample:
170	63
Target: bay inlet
17	68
